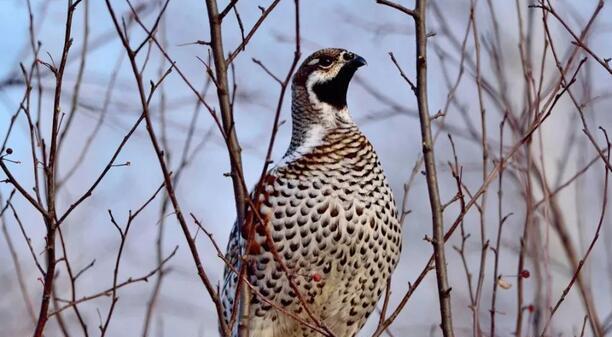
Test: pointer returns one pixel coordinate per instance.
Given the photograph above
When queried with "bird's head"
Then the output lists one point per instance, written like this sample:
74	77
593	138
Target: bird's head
324	77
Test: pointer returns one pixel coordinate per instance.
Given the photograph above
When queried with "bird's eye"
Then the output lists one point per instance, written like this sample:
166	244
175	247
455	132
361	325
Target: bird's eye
325	62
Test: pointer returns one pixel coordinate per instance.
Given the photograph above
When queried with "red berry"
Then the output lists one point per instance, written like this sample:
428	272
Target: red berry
531	308
525	273
316	277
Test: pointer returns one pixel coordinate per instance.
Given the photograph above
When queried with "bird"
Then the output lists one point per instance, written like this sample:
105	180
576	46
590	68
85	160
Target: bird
324	235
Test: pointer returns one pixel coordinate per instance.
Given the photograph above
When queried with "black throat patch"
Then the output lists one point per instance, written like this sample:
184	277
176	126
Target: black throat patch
333	92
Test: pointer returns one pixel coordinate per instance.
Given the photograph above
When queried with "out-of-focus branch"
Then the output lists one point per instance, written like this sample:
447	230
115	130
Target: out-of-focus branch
159	242
578	41
103	113
502	164
13	252
26	239
557	214
580	264
264	14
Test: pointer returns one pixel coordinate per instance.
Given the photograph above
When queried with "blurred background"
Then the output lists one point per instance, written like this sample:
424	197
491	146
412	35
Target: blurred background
107	105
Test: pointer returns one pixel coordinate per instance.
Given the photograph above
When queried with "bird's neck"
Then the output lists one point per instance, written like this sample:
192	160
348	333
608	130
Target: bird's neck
312	120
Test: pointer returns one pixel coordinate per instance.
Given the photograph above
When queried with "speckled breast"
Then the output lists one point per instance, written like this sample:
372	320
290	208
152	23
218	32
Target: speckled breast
330	218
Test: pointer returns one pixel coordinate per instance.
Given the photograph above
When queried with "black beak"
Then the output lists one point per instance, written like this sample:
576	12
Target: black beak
353	61
358	61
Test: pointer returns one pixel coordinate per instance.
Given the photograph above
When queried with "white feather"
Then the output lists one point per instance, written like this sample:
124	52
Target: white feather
314	138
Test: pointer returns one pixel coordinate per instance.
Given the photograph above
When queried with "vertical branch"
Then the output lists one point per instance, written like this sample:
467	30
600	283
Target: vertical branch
50	175
501	219
79	79
430	170
227	117
485	158
530	112
420	90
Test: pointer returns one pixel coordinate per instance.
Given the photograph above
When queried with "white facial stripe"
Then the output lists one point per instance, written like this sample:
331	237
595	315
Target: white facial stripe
325	109
318	76
313	62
